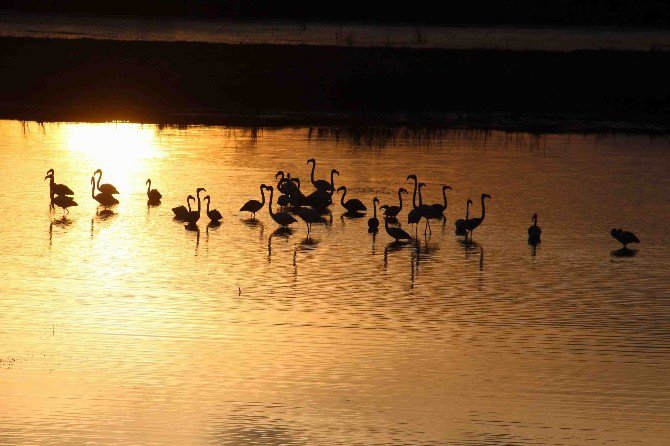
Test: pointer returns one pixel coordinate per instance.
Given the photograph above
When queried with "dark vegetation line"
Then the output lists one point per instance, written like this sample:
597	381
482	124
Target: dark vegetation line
445	12
182	82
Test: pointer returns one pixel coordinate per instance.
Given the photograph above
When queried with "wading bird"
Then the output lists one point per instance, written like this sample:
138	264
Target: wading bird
395	232
180	212
254	206
105	199
322	184
56	189
393	211
282	218
534	232
373	223
105	188
64	202
427	212
153	194
624	237
440	209
193	216
354	205
213	214
473	223
309	216
461	223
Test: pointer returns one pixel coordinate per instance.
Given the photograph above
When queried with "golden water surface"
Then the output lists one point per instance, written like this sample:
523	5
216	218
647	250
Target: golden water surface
131	329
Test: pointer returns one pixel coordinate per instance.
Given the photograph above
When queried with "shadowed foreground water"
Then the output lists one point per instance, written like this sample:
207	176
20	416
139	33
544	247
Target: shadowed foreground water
133	330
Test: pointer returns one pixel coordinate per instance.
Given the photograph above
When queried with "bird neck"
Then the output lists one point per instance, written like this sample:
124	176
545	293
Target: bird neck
270	203
467	211
400	199
414	195
374	208
444	197
312	174
483	208
198	194
332	179
420	200
208	206
99	178
262	196
344	192
149	187
93	188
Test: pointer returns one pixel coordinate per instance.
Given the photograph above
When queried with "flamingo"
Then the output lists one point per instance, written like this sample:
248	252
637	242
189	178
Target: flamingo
322	184
213	214
180	212
105	188
64	202
153	194
473	223
193	216
427	212
393	211
309	216
57	189
461	223
282	218
354	205
373	223
440	209
396	232
105	199
254	206
534	232
414	216
624	237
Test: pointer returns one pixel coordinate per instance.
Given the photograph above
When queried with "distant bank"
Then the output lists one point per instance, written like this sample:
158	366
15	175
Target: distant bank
188	82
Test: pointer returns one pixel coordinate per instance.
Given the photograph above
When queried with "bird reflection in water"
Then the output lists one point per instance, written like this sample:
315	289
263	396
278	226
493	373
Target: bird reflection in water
281	232
194	228
624	252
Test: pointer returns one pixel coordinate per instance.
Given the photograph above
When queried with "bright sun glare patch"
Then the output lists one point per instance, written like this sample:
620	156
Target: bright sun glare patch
115	143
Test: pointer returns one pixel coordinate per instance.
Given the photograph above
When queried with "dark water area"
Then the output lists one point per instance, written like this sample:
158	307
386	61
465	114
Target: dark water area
79	79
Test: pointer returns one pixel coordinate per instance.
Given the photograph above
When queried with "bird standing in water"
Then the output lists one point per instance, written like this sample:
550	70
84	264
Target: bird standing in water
534	232
213	214
624	237
152	194
105	188
461	223
373	223
395	232
254	206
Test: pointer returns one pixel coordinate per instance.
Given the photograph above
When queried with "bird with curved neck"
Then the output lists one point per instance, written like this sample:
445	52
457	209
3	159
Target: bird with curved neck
309	216
63	202
414	216
322	184
193	216
213	214
428	212
461	228
352	206
254	206
395	232
152	194
56	189
534	232
373	223
473	223
105	188
282	218
105	199
438	208
393	211
180	212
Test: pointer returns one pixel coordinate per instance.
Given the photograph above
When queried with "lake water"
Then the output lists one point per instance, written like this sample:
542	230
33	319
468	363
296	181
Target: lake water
341	34
132	329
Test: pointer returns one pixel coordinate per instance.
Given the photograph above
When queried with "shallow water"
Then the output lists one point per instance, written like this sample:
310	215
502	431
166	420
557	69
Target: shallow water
342	34
133	330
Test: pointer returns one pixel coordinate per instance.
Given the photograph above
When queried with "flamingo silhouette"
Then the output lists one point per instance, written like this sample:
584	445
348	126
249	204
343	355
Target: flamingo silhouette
282	218
624	237
322	184
64	202
180	212
461	223
254	206
373	223
57	189
105	188
440	209
213	214
473	223
534	232
393	211
193	216
153	194
105	199
395	232
354	205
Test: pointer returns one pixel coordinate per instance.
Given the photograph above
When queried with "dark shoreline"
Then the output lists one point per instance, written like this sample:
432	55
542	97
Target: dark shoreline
276	85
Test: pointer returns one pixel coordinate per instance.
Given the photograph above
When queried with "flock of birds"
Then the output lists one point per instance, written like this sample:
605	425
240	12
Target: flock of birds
310	208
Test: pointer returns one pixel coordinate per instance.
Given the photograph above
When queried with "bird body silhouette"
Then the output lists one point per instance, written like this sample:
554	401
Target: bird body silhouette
428	212
254	206
180	212
373	223
64	202
322	184
213	214
105	188
440	209
395	232
473	223
534	232
393	211
354	205
309	216
193	216
414	216
461	224
153	194
57	189
106	200
282	218
624	237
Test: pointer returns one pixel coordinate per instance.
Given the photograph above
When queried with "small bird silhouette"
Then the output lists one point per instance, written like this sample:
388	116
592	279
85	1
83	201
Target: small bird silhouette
624	237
